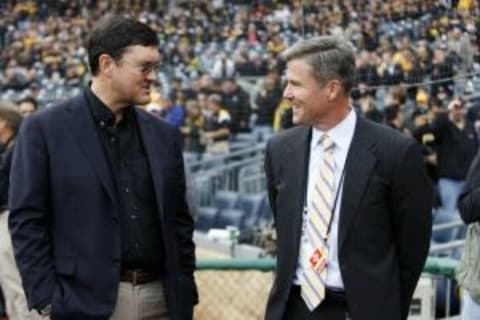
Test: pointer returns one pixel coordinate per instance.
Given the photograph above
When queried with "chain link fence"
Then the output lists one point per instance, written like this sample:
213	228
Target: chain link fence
237	289
232	295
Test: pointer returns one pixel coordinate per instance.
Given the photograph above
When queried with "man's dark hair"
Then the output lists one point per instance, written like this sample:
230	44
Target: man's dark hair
11	115
113	34
30	100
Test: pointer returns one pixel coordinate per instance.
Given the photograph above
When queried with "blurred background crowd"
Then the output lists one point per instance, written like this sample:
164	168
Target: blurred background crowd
220	80
410	54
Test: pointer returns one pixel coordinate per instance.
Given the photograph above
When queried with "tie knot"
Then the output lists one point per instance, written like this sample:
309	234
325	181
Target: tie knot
327	143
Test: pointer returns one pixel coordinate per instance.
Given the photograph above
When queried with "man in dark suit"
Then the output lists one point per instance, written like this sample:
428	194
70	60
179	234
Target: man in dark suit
351	199
99	221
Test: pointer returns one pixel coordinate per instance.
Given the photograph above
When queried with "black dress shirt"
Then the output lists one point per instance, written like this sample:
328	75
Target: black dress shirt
142	245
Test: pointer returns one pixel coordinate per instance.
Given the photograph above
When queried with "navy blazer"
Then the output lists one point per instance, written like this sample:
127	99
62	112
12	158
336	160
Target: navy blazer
64	213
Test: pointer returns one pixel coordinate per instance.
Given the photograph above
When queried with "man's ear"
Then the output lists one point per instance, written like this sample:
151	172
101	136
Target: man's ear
106	65
334	90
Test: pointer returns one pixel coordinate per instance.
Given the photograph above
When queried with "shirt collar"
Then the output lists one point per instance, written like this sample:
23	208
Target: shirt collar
341	134
102	115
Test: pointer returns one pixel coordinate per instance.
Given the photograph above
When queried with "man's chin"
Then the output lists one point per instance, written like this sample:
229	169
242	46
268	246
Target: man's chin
297	120
143	101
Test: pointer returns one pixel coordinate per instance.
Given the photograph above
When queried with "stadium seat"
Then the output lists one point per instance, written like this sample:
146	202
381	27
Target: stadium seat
204	185
251	204
206	218
224	199
229	217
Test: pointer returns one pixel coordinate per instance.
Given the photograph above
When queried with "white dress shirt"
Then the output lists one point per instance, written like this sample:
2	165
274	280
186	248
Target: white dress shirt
341	135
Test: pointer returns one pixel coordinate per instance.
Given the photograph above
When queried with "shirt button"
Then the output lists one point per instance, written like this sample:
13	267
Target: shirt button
127	190
102	123
133	217
112	139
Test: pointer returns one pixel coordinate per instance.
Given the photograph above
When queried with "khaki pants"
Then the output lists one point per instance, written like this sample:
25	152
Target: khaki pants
140	302
10	282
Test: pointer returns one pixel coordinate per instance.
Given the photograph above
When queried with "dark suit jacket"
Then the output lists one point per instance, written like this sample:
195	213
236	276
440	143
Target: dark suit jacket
64	215
385	218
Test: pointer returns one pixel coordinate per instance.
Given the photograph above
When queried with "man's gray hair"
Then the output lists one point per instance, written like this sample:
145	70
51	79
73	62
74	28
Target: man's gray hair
330	58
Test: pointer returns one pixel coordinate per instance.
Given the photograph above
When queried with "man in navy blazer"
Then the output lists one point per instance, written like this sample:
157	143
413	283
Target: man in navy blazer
99	221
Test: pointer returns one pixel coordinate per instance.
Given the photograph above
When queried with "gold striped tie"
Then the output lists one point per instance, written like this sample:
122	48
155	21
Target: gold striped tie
319	215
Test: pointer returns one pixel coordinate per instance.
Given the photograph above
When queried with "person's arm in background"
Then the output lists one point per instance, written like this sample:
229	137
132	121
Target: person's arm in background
469	199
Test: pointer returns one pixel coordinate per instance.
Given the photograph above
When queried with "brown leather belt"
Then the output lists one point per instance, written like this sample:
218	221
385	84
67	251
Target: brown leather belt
138	276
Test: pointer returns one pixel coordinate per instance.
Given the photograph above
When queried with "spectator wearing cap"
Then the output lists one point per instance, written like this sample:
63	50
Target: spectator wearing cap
420	108
457	144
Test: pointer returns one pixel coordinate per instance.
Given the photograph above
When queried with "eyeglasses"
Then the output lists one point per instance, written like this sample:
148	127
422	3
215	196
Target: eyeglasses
145	68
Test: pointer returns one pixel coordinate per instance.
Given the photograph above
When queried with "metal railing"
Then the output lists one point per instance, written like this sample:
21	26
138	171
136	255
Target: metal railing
239	171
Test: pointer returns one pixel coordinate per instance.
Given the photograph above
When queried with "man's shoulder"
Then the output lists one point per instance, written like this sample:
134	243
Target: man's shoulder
288	136
385	135
52	113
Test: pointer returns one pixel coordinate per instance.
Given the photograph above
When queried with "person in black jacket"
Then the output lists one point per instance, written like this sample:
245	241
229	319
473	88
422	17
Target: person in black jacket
268	98
237	102
457	143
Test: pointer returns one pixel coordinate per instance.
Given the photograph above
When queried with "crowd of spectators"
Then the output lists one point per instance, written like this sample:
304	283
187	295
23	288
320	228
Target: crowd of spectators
206	46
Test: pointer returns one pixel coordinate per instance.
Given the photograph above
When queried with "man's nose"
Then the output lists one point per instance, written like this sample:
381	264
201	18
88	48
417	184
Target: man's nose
287	93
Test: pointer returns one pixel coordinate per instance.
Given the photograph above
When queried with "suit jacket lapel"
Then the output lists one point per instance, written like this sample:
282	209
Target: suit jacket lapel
80	122
358	169
297	158
152	143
